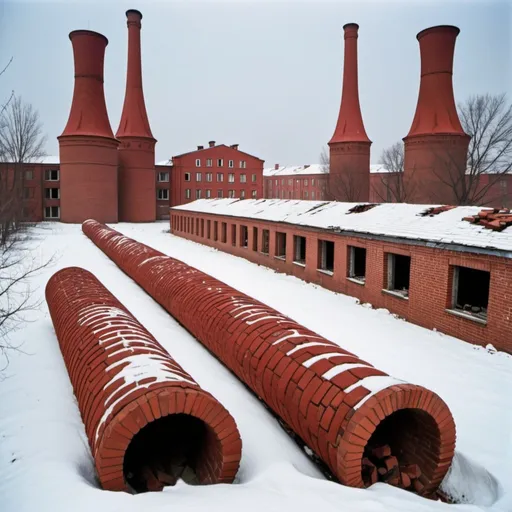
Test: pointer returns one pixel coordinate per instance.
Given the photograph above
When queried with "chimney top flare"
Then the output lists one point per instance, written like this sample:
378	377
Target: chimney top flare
133	13
350	127
211	143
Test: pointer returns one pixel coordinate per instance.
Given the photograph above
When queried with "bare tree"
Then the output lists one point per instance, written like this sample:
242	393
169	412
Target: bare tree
488	120
324	160
21	141
395	186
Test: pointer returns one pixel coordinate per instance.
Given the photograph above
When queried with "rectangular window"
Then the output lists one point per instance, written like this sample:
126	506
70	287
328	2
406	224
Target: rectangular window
313	195
208	229
162	194
209	162
197	227
52	193
52	212
306	194
305	183
231	178
233	234
28	192
220	162
280	245
290	182
470	292
202	228
254	179
326	256
299	250
187	193
215	231
231	193
398	273
265	241
242	194
208	193
244	242
231	164
209	176
29	174
220	177
198	163
313	182
357	264
220	193
163	177
199	176
243	164
198	193
51	175
253	194
243	178
224	233
254	238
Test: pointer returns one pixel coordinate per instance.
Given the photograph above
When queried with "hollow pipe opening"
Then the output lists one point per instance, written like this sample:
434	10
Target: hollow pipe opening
407	441
177	446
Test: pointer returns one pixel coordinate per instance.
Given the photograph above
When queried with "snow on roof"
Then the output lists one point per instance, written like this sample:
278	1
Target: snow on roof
165	162
398	220
287	170
293	170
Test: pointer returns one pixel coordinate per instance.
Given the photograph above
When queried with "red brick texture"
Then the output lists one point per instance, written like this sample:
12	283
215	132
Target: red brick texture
431	273
124	382
338	404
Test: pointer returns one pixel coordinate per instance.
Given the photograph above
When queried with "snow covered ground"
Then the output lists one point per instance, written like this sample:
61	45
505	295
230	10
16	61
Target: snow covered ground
45	463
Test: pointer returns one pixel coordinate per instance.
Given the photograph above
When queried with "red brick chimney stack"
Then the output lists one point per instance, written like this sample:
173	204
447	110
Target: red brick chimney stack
88	149
436	144
349	177
137	188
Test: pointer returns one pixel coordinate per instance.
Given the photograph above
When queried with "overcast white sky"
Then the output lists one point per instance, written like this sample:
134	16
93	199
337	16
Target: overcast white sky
266	75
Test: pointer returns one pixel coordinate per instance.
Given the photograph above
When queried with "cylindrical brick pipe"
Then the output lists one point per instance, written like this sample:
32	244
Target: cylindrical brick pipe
341	407
148	422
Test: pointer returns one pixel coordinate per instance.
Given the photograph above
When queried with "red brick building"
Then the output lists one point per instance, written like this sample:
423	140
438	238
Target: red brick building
430	267
216	171
308	182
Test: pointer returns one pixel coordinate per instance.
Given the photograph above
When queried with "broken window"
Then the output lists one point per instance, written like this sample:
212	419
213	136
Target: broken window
299	249
243	236
197	227
470	292
202	228
208	229
215	230
224	233
280	245
357	263
399	270
326	256
254	238
265	241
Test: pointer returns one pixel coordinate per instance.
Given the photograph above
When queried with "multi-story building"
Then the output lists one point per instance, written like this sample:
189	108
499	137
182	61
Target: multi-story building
216	171
307	182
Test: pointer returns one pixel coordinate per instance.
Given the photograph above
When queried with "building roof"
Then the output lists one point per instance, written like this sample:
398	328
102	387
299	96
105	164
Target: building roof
295	170
213	147
396	220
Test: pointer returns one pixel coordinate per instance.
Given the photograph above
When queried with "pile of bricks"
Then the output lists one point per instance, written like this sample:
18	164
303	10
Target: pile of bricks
436	210
379	465
111	360
318	389
495	219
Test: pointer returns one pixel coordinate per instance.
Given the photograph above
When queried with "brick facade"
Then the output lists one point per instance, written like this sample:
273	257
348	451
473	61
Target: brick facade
429	301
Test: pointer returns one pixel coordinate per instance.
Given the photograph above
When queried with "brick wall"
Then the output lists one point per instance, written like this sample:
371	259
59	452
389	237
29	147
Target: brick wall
132	409
431	274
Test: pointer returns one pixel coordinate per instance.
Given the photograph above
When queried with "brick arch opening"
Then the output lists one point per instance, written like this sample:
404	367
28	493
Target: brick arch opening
178	446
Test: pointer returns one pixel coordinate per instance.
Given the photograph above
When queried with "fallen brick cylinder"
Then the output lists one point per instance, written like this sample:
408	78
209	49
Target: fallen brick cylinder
148	422
340	406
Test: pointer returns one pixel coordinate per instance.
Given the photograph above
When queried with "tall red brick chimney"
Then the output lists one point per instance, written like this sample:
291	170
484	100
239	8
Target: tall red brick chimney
137	188
349	174
88	149
436	145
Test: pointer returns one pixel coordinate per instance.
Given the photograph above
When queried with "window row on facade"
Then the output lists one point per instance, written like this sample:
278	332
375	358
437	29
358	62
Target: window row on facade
468	296
209	193
289	181
208	177
49	174
294	195
220	163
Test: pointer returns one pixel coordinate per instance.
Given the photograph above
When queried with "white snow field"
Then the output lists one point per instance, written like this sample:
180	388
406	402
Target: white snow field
45	462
